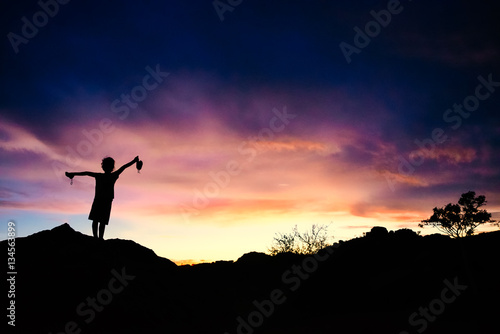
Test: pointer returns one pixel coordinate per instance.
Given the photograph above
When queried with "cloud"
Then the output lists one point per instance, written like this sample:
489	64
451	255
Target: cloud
452	155
15	138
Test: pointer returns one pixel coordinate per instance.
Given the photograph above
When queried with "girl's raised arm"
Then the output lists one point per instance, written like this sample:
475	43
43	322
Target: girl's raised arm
127	165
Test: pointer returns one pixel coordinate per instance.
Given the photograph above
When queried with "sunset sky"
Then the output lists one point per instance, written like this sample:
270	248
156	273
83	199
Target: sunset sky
250	119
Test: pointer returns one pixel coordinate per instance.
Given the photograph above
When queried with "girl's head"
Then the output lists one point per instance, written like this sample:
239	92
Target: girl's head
108	164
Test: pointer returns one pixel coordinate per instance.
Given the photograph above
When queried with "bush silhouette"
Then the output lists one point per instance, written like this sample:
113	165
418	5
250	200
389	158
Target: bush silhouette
309	242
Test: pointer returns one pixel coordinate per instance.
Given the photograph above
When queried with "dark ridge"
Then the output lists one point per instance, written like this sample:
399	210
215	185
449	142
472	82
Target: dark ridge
68	281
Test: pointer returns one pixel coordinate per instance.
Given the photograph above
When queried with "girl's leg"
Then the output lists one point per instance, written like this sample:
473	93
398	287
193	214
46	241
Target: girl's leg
102	226
94	228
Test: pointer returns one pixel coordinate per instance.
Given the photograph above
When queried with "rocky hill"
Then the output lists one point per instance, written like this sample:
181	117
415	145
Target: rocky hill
398	282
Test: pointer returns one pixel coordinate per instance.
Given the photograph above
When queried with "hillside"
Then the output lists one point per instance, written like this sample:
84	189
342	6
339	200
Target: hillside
68	282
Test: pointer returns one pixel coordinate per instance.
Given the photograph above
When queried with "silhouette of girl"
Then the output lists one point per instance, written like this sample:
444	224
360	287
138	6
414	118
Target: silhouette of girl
104	191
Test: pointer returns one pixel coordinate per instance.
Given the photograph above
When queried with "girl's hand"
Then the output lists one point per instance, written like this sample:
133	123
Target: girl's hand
136	159
70	175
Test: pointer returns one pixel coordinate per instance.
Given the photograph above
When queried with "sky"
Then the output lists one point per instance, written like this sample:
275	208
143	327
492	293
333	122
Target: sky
251	117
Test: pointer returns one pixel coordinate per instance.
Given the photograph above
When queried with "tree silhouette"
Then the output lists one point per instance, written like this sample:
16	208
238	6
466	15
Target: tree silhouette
460	220
309	242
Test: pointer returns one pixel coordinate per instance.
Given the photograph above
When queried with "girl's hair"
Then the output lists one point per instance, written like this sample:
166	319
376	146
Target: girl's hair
108	164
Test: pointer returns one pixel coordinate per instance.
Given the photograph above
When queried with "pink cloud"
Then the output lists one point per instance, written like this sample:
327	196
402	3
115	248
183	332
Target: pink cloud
449	154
